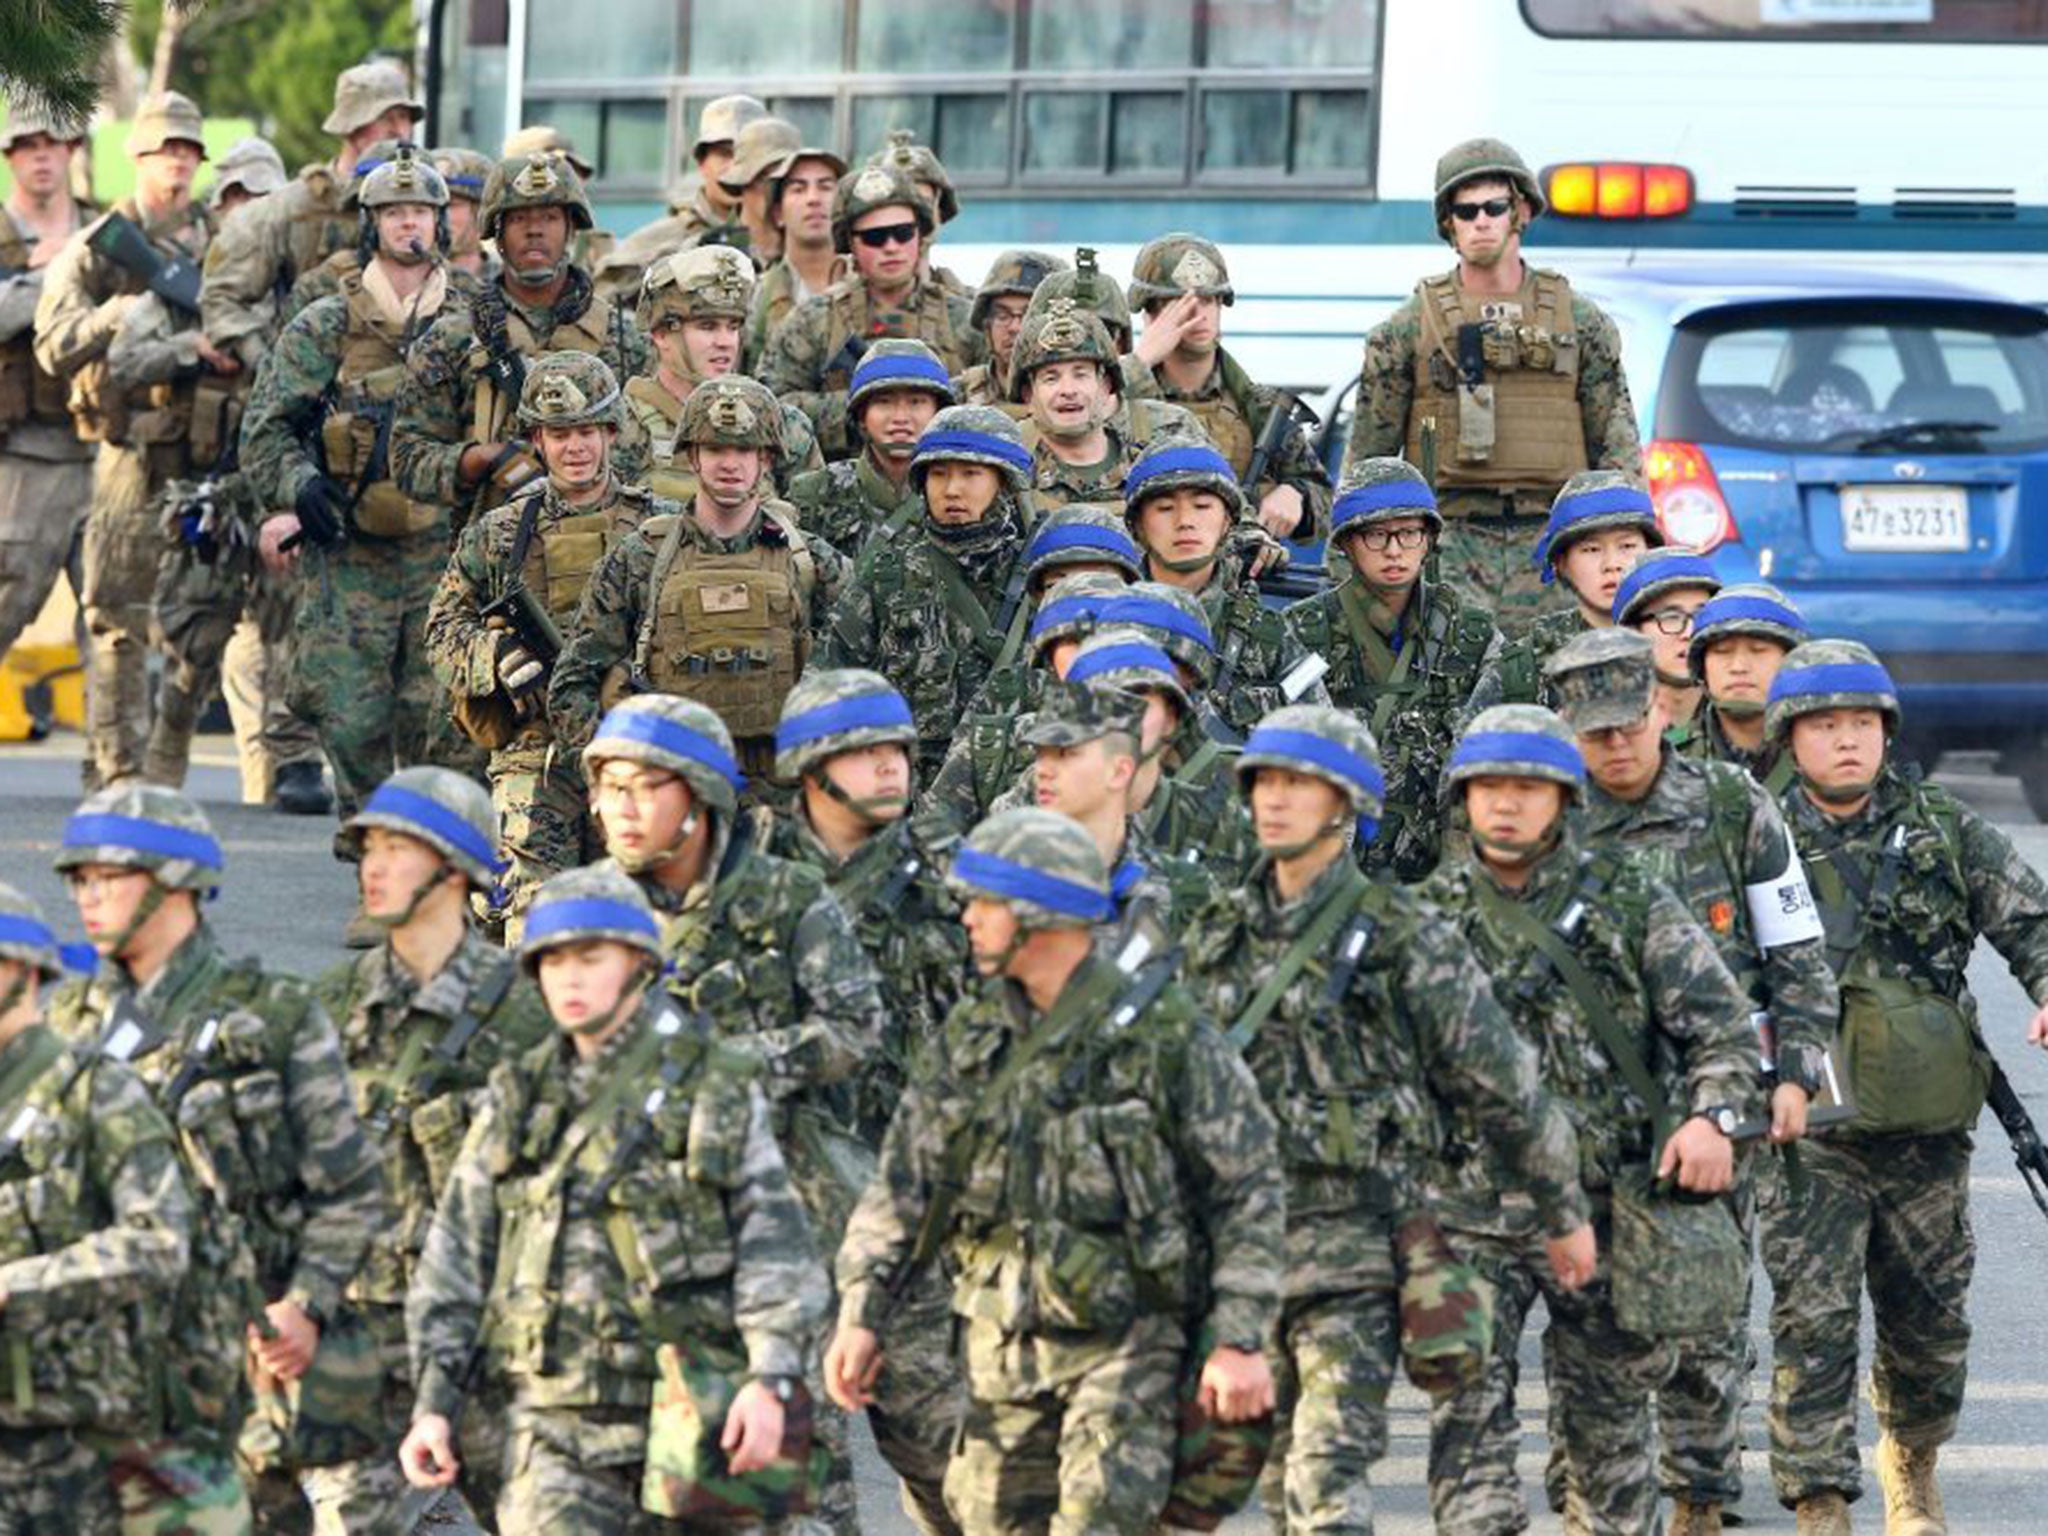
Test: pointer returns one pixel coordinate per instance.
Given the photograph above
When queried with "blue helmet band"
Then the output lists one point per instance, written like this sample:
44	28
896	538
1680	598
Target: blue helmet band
972	445
1000	877
625	723
584	914
1338	761
134	832
1502	750
869	712
430	816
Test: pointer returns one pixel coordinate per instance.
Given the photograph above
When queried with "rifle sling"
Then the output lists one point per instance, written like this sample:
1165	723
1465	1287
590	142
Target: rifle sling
38	1056
1311	941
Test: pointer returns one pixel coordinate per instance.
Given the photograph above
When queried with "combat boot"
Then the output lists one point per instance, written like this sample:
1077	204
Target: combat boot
1823	1514
1912	1501
1690	1519
301	790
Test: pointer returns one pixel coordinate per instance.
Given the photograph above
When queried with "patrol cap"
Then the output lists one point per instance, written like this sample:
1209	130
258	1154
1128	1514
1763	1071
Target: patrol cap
921	164
1490	159
1171	265
1072	608
1603	679
877	186
898	362
144	826
24	935
448	811
1075	711
731	412
463	170
1177	463
581	905
703	282
974	434
1013	273
1592	501
769	146
839	710
1748	608
1829	674
1124	656
1524	741
1330	744
545	139
1081	533
1175	617
571	389
1656	572
1043	865
165	116
253	164
680	735
25	120
365	92
721	121
1378	491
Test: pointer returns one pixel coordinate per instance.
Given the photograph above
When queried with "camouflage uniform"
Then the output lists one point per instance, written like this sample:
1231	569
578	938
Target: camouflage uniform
1658	978
1013	274
927	172
246	1062
1555	360
690	218
1906	885
1012	1122
1414	676
850	500
93	1246
1763	612
524	1283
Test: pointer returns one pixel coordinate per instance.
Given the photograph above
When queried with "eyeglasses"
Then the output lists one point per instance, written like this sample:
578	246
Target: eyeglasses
1379	540
1670	621
1493	208
640	790
887	234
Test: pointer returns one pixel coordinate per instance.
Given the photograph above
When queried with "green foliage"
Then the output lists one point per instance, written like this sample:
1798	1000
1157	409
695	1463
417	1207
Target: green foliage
50	50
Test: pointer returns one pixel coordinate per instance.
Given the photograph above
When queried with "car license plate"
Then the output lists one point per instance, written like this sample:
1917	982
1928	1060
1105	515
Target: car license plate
1904	519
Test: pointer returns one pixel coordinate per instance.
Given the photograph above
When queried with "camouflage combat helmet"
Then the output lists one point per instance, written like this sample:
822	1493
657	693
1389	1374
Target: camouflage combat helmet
27	119
1331	744
1174	617
898	362
546	139
1592	501
580	905
380	151
1072	608
921	165
731	412
1081	533
680	735
1656	572
1747	608
1524	741
252	164
1015	274
1603	680
1061	332
407	177
365	92
163	117
839	710
534	181
144	826
1488	158
26	938
877	186
463	171
1076	711
1179	263
448	811
1175	463
1378	491
1124	656
1829	674
1091	288
1043	865
706	282
975	434
571	389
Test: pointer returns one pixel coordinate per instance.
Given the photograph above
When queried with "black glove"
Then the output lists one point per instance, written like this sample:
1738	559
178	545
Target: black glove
322	504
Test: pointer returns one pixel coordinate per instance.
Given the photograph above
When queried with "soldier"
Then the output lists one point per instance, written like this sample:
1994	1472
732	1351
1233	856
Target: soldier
453	442
928	174
318	433
1657	599
800	197
1907	880
939	606
519	572
1498	380
761	152
882	222
895	392
1180	283
45	469
1618	994
999	1159
96	1240
280	239
1290	960
708	215
1411	657
1000	304
578	1310
1094	290
244	1061
716	600
465	173
591	246
1710	833
1740	637
691	307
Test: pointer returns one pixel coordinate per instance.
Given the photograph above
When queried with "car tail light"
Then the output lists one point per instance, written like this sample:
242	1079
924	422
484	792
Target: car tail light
1690	507
1618	189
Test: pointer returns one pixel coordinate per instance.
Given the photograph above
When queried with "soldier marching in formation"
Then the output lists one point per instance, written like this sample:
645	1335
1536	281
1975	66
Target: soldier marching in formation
977	961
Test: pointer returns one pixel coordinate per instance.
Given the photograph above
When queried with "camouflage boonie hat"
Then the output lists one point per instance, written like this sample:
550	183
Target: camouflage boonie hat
571	389
144	826
1124	656
1489	158
1316	739
1093	290
545	139
251	164
25	120
1081	533
838	710
877	186
974	434
1072	608
1014	274
1523	741
1181	463
706	282
1592	501
1747	608
1656	572
1378	491
921	164
1075	710
1043	865
1062	332
731	412
721	121
1829	674
463	171
25	937
365	92
898	362
680	735
163	117
1603	680
1174	617
580	905
534	181
407	177
1175	264
448	811
765	147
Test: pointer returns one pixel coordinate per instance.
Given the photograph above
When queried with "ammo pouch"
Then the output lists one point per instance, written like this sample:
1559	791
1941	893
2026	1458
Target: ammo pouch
686	1477
1446	1309
1914	1064
27	393
348	441
1680	1266
216	421
438	1128
160	429
1216	1466
332	1414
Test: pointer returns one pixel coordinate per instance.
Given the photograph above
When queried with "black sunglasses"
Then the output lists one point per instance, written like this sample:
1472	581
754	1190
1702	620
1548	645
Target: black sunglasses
887	234
1493	208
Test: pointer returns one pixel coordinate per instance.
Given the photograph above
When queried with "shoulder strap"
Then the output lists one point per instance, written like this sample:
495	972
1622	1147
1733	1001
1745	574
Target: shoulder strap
1245	1027
664	560
965	605
38	1056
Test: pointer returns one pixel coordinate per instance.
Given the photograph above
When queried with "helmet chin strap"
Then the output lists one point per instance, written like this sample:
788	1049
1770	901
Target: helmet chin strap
1738	709
1516	854
1184	566
1836	794
631	992
145	909
641	863
862	806
540	277
1335	827
15	989
1670	681
391	922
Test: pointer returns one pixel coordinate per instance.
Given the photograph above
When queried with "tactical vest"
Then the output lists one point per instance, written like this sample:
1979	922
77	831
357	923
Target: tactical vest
28	391
660	414
848	318
1226	415
733	955
564	552
366	388
1518	426
494	416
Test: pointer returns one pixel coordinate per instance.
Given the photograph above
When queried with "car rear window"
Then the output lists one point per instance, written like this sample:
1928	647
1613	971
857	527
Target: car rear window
1857	376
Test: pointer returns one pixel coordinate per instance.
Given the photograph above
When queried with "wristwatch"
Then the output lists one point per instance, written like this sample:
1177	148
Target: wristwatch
1721	1118
784	1387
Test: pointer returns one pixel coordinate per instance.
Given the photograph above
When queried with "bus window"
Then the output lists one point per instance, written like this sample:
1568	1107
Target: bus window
970	132
959	37
745	37
1930	21
641	45
1293	34
1111	34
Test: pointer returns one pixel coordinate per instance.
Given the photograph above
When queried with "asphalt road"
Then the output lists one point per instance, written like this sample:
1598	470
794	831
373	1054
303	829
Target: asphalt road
286	900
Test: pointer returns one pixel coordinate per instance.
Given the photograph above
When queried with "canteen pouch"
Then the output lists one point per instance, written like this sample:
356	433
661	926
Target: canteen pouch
686	1478
1446	1308
1216	1466
1476	429
333	1413
1913	1062
216	421
438	1128
1680	1267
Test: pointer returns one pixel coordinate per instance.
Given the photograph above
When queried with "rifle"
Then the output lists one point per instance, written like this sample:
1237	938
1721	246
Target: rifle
2027	1150
174	279
1288	411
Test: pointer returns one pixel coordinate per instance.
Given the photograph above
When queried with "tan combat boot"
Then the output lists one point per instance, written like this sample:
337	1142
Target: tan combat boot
1823	1514
1689	1519
1912	1502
